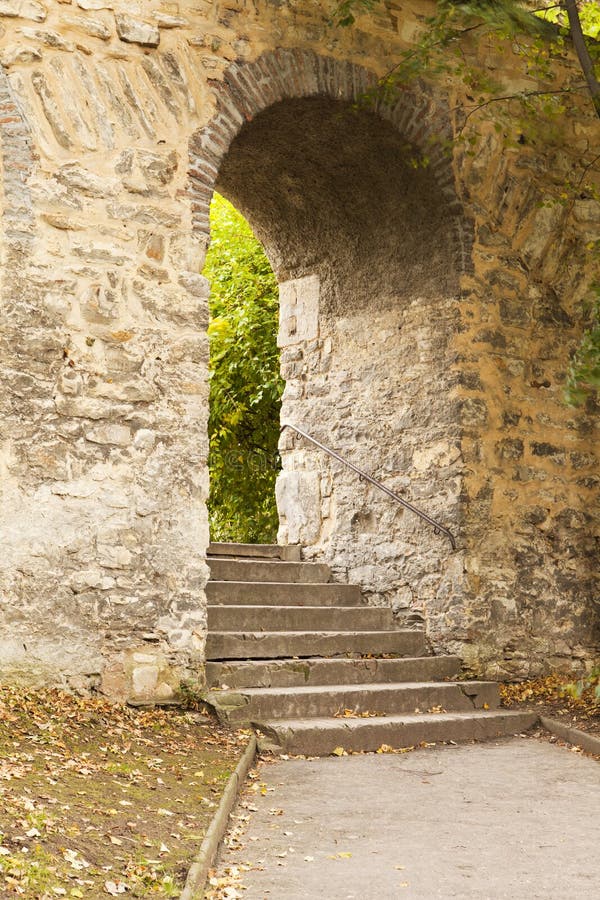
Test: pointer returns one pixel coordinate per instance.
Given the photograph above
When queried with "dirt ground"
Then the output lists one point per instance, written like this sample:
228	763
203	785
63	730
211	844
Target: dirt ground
98	800
558	697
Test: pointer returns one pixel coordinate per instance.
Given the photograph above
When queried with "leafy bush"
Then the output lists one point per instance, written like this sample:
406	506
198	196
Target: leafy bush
245	387
587	688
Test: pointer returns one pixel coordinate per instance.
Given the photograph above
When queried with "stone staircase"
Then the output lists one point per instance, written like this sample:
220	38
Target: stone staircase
304	661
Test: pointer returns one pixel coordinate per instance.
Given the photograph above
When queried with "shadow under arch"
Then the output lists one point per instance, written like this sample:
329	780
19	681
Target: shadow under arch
331	188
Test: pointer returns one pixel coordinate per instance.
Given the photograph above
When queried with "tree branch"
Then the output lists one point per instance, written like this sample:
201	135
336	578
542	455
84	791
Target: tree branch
506	97
583	54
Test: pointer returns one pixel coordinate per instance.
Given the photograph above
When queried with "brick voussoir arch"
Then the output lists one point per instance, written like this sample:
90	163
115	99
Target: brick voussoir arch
249	88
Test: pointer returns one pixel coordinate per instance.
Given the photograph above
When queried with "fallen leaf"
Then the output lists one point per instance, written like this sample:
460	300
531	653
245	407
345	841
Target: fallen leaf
75	860
114	887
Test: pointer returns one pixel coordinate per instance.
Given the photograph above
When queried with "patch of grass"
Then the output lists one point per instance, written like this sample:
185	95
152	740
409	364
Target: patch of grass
98	800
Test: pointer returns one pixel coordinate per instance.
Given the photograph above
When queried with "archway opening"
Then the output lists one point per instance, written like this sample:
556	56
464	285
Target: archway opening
245	383
364	236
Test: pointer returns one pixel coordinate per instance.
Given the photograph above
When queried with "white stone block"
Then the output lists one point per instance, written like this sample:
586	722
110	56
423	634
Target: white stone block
298	497
145	680
298	310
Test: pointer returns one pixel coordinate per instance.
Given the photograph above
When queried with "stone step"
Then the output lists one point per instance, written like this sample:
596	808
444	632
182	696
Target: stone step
254	705
320	737
285	644
267	570
316	671
299	618
291	552
283	593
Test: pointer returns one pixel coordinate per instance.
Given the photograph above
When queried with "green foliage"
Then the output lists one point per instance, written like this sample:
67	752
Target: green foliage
589	13
509	14
584	372
245	386
587	688
344	13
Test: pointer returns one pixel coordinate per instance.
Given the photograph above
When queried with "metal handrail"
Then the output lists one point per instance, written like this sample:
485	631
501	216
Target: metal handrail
437	527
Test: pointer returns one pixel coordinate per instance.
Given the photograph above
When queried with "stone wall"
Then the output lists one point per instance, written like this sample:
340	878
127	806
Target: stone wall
405	433
448	307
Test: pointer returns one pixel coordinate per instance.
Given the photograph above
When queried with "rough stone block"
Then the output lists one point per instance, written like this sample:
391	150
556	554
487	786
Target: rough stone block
16	53
136	31
299	310
119	435
23	9
95	4
299	505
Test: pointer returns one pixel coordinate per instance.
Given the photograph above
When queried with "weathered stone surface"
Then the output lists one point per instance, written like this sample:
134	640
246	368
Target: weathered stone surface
49	39
299	311
23	9
136	31
120	435
94	4
299	505
164	20
83	181
16	53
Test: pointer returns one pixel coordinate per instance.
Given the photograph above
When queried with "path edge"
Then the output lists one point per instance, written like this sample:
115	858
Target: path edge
195	882
587	742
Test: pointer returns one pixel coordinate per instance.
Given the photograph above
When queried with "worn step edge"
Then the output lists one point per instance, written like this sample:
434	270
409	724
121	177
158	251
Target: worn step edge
377	687
285	593
265	571
285	552
222	645
265	618
320	736
195	881
319	670
241	707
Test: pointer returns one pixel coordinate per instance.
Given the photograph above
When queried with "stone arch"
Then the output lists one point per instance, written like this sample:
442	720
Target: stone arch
249	89
353	354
